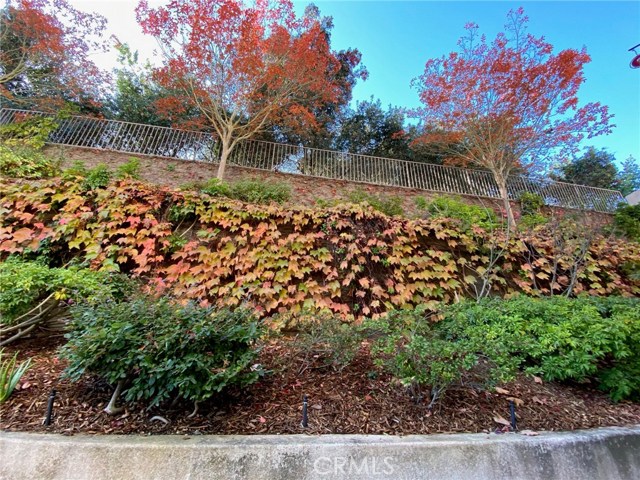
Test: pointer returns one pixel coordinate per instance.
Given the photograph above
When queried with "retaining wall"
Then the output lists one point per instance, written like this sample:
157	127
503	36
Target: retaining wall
606	453
306	190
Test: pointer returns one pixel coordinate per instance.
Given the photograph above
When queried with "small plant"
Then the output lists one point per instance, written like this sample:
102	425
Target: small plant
259	191
327	338
171	167
153	350
217	188
533	220
78	169
130	169
530	203
193	186
389	205
10	374
98	177
451	207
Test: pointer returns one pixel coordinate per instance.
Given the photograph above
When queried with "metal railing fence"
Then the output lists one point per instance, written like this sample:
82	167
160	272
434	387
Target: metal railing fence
199	146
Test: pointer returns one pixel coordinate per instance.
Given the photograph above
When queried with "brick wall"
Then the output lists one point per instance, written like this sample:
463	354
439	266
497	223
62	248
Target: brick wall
305	190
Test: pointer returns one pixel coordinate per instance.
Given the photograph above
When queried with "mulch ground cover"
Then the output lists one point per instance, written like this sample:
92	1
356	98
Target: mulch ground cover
356	399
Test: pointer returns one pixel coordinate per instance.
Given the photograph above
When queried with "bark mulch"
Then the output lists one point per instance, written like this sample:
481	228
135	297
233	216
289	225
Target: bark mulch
357	399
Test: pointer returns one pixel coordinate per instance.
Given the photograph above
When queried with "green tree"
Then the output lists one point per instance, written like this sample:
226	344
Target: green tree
595	168
370	130
136	93
629	176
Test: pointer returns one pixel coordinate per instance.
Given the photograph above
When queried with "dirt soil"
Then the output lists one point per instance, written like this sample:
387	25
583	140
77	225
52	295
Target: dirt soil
358	399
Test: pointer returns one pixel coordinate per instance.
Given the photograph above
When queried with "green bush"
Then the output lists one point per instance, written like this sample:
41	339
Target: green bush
251	191
627	221
23	284
468	215
531	211
216	188
98	177
160	349
389	205
258	191
78	169
31	131
130	169
530	203
327	338
21	146
581	339
26	162
427	359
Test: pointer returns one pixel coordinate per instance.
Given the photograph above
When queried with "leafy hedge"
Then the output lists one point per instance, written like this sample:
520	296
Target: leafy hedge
157	349
25	283
580	339
348	259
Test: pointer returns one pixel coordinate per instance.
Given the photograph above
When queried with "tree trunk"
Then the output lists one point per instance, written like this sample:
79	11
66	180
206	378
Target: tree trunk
226	151
502	186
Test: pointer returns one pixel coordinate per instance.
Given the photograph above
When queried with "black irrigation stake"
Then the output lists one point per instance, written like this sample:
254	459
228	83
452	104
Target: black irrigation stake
52	397
305	417
512	410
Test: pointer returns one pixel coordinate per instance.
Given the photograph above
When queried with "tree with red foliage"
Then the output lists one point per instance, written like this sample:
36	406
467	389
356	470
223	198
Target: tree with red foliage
508	106
243	66
44	52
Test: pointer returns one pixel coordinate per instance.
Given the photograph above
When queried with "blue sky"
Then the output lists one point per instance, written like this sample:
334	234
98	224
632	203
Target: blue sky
396	38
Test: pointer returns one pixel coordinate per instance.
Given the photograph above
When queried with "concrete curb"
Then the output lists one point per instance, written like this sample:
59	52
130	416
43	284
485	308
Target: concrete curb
607	453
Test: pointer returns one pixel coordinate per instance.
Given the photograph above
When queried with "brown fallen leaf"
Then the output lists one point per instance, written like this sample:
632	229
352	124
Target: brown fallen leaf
538	400
516	400
502	391
501	420
263	420
537	379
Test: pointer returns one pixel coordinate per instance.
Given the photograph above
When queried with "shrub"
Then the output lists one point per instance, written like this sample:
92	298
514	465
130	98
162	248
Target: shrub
32	131
23	284
427	359
98	177
251	191
531	210
216	188
157	349
25	162
627	221
78	169
580	339
327	338
130	169
389	205
468	215
530	203
21	145
10	374
258	191
532	221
